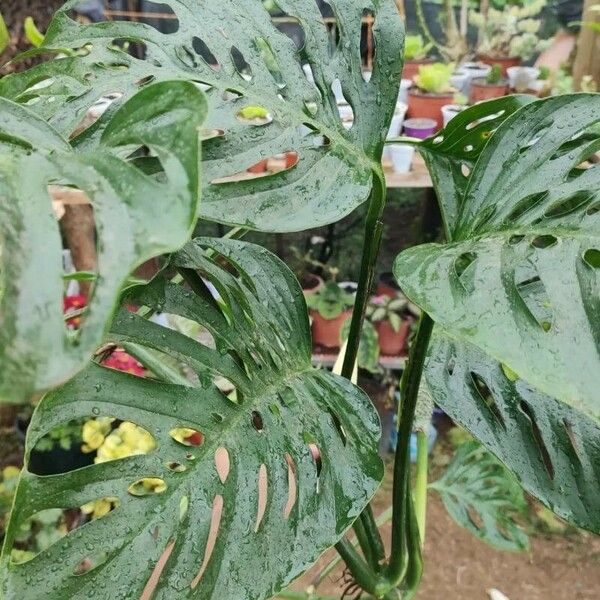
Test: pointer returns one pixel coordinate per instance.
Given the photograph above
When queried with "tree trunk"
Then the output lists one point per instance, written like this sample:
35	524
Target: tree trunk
587	58
14	13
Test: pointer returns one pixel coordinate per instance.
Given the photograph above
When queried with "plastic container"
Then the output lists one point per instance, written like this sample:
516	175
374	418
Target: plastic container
420	128
402	157
449	111
405	85
397	121
522	78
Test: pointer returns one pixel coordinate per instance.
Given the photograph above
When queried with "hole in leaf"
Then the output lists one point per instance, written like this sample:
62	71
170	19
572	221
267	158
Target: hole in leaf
464	267
240	64
270	60
263	491
486	396
346	114
205	53
257	421
450	366
569	205
215	524
484	119
145	80
534	295
222	463
515	239
292	486
184	505
525	205
465	170
316	456
592	258
254	115
187	436
544	241
148	486
176	467
538	438
438	140
338	425
572	438
154	578
593	209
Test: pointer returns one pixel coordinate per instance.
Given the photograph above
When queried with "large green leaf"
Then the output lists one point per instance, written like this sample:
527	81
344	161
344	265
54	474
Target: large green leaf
483	497
136	217
233	48
452	153
517	292
281	506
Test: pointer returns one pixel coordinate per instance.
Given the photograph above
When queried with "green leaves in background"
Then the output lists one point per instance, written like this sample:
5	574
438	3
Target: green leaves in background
515	356
137	217
288	462
4	35
481	495
244	61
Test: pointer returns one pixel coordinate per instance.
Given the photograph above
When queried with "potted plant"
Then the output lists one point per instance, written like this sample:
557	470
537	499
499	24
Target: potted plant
392	318
449	111
329	308
509	36
415	55
433	90
492	86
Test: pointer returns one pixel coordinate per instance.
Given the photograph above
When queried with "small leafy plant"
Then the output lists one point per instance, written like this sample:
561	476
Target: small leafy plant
510	32
494	77
435	78
415	48
330	301
392	310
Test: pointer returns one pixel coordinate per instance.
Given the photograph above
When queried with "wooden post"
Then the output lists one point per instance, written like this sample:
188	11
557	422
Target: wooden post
587	57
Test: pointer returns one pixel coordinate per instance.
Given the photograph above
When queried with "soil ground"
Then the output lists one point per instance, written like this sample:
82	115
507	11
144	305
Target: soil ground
460	567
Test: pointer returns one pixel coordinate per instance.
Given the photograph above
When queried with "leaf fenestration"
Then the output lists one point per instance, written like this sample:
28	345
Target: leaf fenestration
289	462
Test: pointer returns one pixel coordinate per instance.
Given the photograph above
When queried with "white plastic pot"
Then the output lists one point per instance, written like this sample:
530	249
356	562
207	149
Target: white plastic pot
405	85
402	157
397	120
449	111
522	78
460	81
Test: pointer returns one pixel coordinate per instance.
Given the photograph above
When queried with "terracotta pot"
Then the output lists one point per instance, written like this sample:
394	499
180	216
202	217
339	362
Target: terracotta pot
428	106
481	90
411	67
327	332
392	343
259	167
504	62
311	284
387	286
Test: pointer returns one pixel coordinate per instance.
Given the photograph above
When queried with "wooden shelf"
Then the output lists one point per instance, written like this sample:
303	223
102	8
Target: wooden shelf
394	363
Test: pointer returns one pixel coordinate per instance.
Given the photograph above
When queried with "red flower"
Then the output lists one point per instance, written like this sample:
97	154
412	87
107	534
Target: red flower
121	361
73	304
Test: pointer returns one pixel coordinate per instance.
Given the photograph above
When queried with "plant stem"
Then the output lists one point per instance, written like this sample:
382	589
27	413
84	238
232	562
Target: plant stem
364	543
410	384
382	519
372	242
420	493
360	570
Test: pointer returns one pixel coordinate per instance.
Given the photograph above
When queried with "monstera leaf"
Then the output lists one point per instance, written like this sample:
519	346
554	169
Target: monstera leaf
136	217
516	299
288	461
483	497
451	154
248	67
